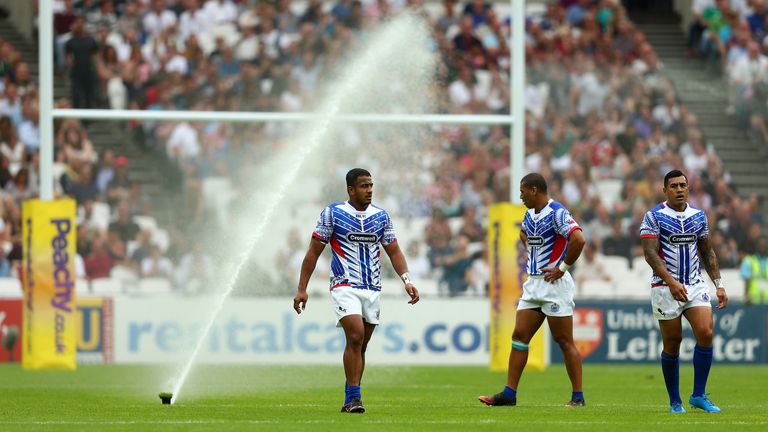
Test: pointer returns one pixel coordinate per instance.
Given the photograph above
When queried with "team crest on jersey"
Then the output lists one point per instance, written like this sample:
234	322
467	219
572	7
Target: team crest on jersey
535	241
554	307
358	237
705	297
682	239
587	330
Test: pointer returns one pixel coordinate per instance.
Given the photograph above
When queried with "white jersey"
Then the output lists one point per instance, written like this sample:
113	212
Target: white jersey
355	237
547	233
678	234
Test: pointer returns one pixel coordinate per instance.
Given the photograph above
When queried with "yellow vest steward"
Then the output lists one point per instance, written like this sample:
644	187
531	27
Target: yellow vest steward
759	276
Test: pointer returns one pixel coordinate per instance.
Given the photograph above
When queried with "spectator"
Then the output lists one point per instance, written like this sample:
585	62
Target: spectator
62	29
754	271
418	263
158	19
618	243
125	228
81	50
81	187
195	270
118	188
221	11
10	147
471	227
194	20
456	264
156	265
29	132
143	248
98	263
479	275
78	149
103	17
591	268
748	73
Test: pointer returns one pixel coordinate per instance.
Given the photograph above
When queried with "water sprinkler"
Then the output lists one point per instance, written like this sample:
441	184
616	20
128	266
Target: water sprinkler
10	334
166	397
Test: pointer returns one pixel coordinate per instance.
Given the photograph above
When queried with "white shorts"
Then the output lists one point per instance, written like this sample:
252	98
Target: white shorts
554	298
356	301
665	307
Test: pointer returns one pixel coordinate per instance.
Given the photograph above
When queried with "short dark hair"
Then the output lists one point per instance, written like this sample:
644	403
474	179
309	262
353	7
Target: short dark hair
672	174
534	180
354	173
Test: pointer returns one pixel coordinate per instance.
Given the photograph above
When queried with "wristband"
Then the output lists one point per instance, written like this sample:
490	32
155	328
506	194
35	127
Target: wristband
406	278
719	283
563	267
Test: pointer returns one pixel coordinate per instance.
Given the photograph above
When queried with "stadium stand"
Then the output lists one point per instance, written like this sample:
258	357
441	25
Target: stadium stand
604	123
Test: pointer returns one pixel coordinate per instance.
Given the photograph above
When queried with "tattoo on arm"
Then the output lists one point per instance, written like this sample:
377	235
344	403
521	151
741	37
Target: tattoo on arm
651	252
708	258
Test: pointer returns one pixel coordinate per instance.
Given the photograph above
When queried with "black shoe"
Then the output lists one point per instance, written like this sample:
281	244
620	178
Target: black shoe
355	406
576	402
498	400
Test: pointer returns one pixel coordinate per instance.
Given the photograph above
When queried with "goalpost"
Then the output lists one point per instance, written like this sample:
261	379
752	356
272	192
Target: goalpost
48	114
504	289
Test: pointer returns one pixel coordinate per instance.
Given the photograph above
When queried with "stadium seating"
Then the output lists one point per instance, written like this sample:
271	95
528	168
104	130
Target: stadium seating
153	286
107	287
11	288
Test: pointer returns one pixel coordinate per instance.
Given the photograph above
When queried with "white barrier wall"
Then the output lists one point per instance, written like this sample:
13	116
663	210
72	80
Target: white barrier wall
254	330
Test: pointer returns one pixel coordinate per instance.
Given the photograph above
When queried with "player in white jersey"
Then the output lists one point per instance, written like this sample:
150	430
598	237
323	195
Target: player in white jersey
554	242
674	234
355	229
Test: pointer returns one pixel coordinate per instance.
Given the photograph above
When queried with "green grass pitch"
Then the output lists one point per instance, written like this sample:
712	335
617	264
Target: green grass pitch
308	398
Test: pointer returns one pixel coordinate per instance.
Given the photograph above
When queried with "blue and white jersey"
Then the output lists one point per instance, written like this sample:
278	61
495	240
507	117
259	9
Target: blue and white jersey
547	233
678	234
355	237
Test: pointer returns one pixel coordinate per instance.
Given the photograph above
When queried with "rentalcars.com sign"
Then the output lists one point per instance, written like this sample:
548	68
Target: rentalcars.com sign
256	330
610	332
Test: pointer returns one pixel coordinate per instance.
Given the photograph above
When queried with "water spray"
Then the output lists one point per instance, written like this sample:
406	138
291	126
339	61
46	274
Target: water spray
374	61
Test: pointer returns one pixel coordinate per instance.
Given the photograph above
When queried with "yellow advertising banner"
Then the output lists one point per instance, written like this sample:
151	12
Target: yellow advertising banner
507	259
49	339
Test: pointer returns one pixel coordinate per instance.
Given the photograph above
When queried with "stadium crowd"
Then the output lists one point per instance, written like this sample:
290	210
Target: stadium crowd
732	36
603	124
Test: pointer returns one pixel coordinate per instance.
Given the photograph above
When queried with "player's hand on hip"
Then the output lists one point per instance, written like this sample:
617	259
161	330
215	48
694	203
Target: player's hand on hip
413	293
678	291
300	302
722	298
553	274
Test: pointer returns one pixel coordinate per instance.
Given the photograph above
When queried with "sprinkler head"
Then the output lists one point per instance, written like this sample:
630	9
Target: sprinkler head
166	397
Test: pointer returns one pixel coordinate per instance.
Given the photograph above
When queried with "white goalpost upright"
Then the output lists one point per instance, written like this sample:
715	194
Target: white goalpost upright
516	119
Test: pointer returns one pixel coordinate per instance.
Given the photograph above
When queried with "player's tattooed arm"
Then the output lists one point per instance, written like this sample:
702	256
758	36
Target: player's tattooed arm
708	257
651	252
524	239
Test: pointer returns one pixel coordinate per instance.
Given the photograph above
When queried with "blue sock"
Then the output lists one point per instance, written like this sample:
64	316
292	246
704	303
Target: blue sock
702	361
351	392
577	395
510	393
670	366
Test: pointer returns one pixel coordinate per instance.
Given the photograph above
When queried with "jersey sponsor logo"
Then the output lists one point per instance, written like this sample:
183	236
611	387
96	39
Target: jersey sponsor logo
358	237
535	241
682	239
